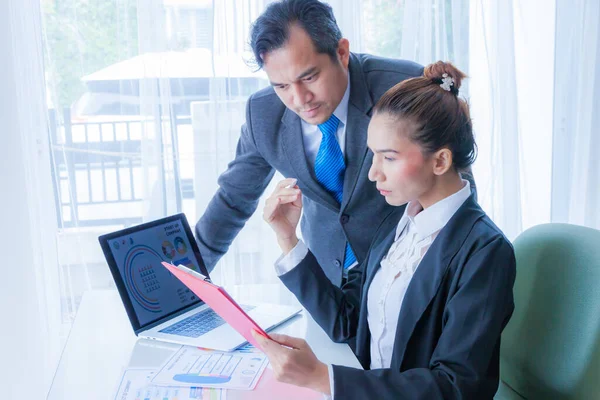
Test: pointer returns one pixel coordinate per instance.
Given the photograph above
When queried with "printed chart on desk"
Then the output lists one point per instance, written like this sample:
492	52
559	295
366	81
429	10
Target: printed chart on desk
192	366
134	385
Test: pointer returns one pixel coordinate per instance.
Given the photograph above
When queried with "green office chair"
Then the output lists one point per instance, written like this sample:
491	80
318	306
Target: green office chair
551	346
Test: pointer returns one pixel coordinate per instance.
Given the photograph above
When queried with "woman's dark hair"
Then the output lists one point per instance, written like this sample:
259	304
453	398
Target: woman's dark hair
432	103
271	29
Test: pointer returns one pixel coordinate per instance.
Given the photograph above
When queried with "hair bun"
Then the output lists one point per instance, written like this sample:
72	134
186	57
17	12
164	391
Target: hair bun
436	71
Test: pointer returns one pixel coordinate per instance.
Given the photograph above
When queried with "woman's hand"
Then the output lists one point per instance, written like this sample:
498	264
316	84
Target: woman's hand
282	211
294	362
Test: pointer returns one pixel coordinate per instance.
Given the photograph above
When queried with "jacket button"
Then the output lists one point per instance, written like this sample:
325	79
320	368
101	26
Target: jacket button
337	263
344	218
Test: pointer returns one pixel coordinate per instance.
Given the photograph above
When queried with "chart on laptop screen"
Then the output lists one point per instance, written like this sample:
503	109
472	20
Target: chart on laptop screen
154	291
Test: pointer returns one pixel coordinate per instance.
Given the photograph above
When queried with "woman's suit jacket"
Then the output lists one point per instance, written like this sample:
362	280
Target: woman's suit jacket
455	308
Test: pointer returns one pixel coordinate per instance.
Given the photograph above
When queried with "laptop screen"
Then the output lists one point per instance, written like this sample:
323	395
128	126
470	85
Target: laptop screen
137	253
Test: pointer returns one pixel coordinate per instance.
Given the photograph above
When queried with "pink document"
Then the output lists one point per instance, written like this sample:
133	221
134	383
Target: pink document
219	300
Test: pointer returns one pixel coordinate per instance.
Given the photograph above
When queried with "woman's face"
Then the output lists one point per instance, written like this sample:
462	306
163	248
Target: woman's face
400	170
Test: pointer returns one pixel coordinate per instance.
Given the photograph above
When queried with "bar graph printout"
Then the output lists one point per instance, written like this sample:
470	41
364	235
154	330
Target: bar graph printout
191	366
135	385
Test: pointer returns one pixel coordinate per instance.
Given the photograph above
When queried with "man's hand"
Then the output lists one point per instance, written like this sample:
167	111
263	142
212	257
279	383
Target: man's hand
294	362
282	211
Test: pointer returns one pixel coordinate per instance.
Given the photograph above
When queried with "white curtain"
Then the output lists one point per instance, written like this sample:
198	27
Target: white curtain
424	31
29	288
216	126
535	89
576	116
494	107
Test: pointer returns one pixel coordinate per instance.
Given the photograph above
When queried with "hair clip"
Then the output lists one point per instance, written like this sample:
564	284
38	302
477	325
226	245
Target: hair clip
447	82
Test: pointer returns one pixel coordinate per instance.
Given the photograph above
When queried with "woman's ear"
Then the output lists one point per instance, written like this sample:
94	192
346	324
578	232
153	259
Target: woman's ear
442	161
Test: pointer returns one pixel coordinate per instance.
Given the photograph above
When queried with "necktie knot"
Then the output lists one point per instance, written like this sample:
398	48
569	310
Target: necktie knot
330	126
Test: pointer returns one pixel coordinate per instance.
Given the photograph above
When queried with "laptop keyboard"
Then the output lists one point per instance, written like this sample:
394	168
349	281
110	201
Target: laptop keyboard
198	324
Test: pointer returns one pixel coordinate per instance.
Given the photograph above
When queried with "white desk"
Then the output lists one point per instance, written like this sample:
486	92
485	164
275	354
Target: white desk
102	343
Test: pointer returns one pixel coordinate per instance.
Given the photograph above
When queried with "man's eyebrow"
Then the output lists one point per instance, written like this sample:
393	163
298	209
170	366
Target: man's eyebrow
306	73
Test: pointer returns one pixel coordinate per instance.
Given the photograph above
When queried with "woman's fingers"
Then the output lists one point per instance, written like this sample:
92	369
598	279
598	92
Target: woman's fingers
270	207
273	203
267	345
284	196
285	192
287	198
290	341
291	182
298	201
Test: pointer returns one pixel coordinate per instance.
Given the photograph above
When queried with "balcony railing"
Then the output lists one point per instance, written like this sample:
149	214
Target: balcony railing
96	168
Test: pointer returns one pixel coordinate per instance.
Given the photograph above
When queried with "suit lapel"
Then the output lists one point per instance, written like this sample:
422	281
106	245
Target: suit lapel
377	253
359	108
383	239
356	150
293	145
426	281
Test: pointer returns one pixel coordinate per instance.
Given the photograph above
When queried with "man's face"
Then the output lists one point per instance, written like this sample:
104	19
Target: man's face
309	83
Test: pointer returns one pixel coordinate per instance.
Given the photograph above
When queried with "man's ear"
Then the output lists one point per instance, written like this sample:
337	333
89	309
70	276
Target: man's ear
343	52
442	161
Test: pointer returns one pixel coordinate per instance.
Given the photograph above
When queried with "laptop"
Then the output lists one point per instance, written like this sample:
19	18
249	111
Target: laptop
158	305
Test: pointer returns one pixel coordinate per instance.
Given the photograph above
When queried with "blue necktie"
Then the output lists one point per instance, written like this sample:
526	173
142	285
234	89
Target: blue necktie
330	168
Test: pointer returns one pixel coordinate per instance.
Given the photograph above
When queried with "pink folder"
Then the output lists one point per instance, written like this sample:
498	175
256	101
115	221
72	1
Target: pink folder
219	300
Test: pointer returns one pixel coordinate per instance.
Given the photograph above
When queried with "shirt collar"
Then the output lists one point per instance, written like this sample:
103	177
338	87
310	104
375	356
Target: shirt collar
341	111
435	217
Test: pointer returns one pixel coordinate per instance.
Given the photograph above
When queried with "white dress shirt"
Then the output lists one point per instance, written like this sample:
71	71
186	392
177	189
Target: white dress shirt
415	233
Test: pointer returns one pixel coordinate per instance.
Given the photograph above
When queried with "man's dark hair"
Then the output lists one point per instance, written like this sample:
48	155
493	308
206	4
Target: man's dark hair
271	29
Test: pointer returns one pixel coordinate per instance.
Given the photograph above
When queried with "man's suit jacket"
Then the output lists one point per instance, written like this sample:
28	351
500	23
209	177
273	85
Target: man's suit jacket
448	335
271	139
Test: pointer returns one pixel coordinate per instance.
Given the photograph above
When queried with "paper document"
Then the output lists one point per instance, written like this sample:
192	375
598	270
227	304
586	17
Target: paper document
247	348
135	385
192	366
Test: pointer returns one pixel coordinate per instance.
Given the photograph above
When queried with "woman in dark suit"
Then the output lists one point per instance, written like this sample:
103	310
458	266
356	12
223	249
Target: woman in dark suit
428	304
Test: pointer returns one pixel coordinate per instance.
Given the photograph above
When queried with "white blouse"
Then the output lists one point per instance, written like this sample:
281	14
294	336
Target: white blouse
415	233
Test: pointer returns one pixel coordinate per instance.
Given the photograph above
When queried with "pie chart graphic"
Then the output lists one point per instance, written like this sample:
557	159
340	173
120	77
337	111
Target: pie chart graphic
140	276
180	245
168	249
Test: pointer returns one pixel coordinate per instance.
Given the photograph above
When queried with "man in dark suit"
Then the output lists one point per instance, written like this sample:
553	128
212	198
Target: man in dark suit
310	124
